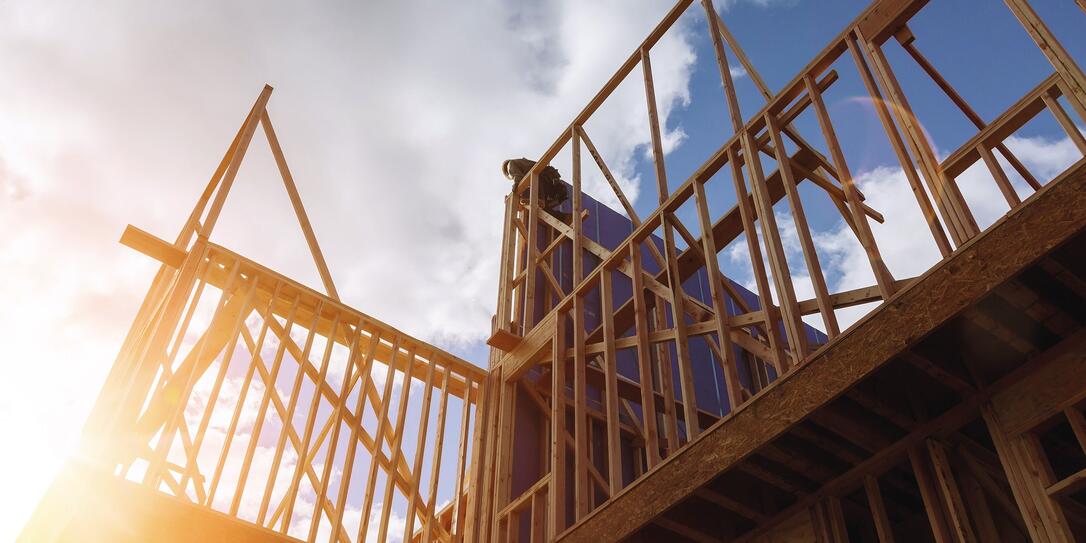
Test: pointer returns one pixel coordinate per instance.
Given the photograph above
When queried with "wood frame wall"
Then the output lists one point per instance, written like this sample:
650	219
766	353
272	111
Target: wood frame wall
552	343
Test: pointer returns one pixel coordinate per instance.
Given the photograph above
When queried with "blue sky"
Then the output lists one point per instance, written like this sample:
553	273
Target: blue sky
978	46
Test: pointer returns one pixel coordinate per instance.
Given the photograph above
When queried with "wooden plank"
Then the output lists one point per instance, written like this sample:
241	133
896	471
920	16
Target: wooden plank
654	128
288	418
557	494
786	294
723	325
956	213
664	374
383	422
754	248
152	246
299	209
948	488
1065	122
1052	50
457	524
1069	485
1044	221
999	176
420	451
532	245
883	527
929	491
608	176
238	155
396	449
307	433
896	142
644	362
883	278
581	489
803	231
1041	515
614	442
1047	392
907	42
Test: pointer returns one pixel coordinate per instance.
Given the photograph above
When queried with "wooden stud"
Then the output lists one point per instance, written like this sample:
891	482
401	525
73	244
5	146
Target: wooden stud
883	278
896	142
557	494
956	213
644	361
614	442
910	47
435	471
1000	177
299	209
803	232
581	442
654	128
793	326
878	510
948	487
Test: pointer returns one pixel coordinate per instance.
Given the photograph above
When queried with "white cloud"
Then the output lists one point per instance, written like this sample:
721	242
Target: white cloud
394	118
728	4
904	240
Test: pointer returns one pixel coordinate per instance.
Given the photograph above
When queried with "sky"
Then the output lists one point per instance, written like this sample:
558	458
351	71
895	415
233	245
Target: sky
394	119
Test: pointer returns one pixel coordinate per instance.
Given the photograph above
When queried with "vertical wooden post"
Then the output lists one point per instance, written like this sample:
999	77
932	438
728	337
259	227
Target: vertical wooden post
720	308
311	419
504	454
382	422
614	442
1064	120
898	145
948	487
455	526
929	493
757	263
793	326
532	252
557	495
906	39
878	510
999	176
803	232
1053	50
654	128
287	419
644	359
505	271
581	489
956	212
667	386
883	278
462	457
1043	516
420	448
362	372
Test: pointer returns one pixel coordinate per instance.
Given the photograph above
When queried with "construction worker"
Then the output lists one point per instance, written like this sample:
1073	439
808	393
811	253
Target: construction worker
552	190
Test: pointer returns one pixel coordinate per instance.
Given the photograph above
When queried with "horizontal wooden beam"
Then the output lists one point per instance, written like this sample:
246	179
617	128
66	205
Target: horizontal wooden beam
153	246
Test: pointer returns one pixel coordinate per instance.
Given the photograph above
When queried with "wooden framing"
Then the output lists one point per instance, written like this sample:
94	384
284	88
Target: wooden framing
597	420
